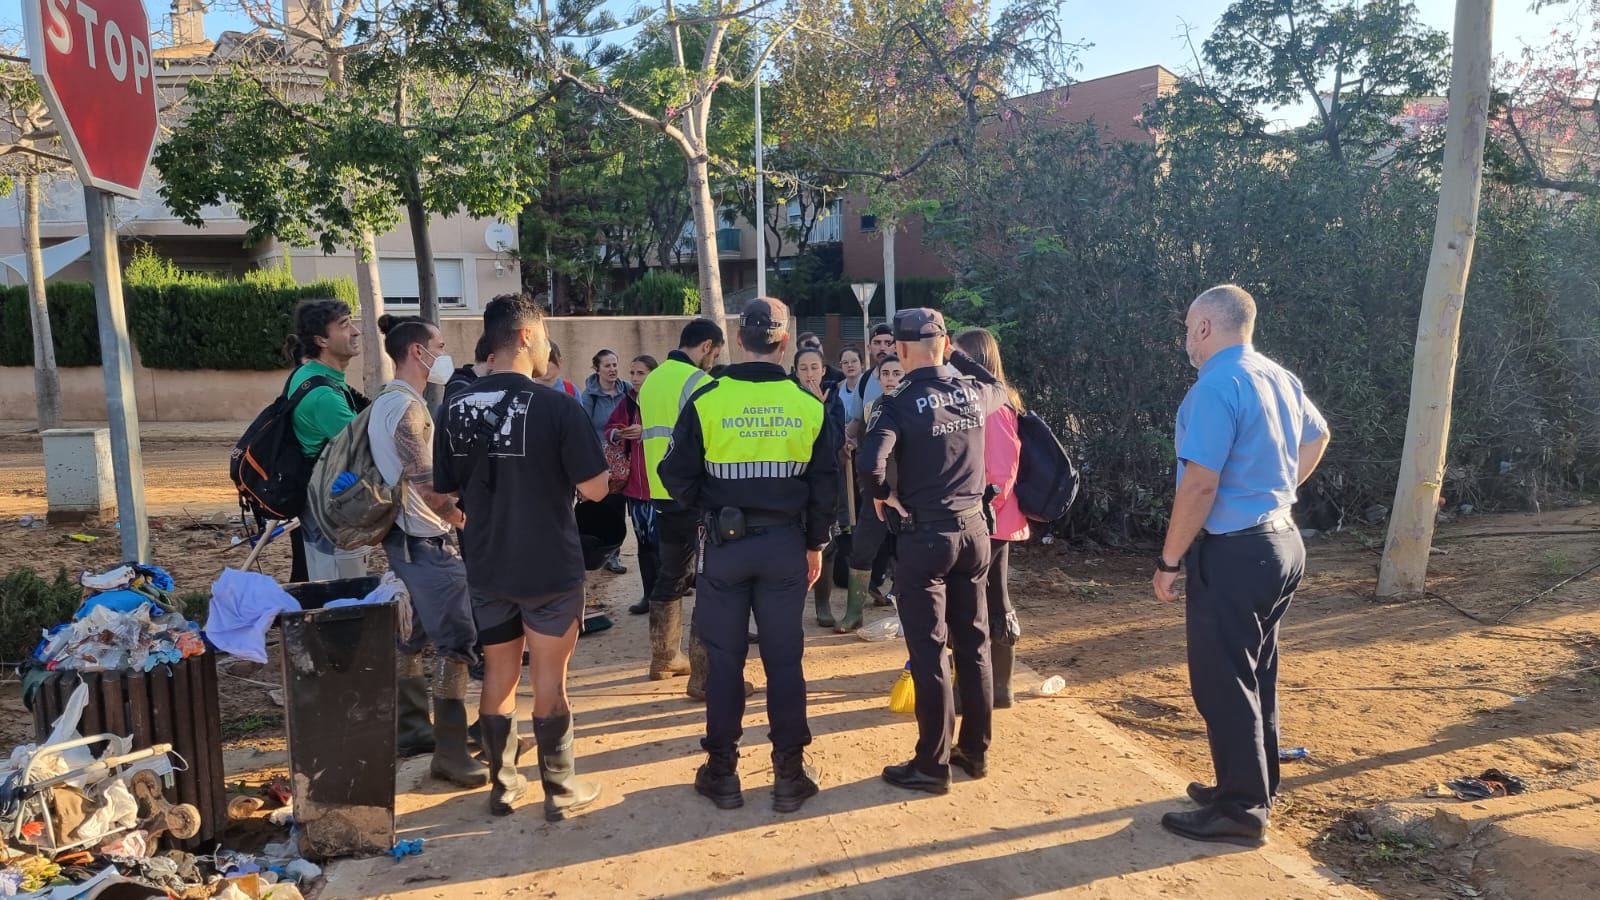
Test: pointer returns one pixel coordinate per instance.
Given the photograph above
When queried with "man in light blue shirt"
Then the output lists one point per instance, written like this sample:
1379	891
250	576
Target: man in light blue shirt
1247	438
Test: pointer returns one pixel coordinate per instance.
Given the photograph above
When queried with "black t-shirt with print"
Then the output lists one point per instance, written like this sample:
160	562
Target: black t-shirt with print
521	538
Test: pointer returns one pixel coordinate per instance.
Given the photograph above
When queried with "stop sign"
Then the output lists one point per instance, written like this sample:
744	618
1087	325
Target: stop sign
92	61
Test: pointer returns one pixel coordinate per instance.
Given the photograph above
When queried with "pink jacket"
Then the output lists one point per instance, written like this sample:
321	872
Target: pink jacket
1002	451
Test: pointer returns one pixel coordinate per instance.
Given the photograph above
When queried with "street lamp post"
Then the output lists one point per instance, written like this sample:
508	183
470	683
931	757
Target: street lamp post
864	291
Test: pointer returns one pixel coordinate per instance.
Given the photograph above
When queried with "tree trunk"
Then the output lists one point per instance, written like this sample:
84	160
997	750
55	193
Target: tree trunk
377	369
886	229
46	380
705	235
422	247
1404	570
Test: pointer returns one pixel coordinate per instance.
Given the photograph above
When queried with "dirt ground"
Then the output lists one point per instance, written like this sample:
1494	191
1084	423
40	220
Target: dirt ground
1388	699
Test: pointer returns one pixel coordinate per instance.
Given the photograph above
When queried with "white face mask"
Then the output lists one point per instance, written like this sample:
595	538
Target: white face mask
441	370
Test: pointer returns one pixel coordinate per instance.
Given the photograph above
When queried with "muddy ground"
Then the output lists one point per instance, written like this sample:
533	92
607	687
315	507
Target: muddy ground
1388	699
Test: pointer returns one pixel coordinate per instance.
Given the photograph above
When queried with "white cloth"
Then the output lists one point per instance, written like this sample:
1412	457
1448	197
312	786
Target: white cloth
243	607
416	518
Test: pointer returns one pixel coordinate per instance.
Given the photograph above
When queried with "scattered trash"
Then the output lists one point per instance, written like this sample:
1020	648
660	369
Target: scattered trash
283	815
903	696
1053	685
243	807
406	848
1048	539
129	625
302	870
31	521
83	538
881	630
1492	783
1288	753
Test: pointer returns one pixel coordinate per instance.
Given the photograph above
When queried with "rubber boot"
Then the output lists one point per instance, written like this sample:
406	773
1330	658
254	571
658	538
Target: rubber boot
793	782
506	784
451	761
856	603
698	666
822	593
1002	658
666	631
564	793
415	732
717	780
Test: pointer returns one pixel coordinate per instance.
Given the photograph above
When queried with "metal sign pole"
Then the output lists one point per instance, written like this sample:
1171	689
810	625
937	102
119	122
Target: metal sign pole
116	361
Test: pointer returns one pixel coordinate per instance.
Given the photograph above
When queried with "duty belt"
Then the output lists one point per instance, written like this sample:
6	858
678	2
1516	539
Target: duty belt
929	519
1280	524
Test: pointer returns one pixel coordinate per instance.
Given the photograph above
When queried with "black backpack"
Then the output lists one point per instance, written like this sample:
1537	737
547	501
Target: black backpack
1047	482
268	465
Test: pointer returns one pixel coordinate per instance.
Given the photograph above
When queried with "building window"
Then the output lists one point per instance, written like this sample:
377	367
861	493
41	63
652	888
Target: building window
728	240
399	281
869	223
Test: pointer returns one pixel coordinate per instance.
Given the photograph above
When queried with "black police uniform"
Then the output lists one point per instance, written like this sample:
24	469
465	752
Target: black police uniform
787	505
932	425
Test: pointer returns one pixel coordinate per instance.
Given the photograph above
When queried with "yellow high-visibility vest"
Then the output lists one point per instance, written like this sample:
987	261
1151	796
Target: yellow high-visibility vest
661	398
758	429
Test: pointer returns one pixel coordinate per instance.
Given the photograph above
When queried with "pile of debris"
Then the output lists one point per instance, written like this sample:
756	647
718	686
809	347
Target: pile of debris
128	622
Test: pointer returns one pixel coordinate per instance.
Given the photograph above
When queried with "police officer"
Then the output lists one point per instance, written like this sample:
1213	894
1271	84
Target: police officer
932	425
660	400
1247	437
753	454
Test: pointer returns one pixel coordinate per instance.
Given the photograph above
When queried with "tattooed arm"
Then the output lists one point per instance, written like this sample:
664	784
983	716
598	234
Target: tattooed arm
412	445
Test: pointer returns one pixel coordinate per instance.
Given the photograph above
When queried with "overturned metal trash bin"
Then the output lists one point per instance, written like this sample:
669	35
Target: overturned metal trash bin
339	705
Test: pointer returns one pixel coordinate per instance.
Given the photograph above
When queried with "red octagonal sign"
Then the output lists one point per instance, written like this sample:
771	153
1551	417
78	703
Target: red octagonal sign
92	61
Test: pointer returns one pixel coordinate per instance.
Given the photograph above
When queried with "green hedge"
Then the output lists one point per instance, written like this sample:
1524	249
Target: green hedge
660	294
188	323
72	324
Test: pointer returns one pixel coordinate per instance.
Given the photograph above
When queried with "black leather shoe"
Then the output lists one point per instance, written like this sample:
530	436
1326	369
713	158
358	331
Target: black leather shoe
1203	794
1209	824
640	608
974	766
911	778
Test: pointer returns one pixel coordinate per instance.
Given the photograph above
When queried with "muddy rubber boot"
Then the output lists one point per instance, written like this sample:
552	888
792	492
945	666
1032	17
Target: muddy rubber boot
666	632
506	784
698	666
822	593
1002	658
451	761
793	782
414	731
856	603
717	780
564	793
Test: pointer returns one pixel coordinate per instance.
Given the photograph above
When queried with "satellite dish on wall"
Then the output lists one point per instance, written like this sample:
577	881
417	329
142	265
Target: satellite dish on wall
500	237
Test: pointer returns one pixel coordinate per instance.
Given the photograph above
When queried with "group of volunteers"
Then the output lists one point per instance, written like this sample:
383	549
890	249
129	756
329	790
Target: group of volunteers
745	483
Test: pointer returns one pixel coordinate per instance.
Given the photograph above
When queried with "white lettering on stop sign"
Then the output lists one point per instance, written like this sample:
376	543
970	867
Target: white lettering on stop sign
117	49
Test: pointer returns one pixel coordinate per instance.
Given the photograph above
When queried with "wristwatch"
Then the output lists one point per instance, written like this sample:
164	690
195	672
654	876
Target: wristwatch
1161	564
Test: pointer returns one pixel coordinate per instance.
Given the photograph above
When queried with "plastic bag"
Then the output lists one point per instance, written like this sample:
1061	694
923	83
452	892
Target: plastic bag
903	696
881	630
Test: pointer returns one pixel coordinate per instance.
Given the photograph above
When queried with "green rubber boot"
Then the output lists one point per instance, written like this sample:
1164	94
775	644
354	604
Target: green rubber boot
856	603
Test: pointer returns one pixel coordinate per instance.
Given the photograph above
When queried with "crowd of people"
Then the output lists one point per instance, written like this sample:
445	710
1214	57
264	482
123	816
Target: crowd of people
753	484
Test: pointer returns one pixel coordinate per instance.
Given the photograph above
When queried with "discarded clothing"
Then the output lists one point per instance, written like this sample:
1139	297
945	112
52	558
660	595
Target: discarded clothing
243	607
1492	783
106	638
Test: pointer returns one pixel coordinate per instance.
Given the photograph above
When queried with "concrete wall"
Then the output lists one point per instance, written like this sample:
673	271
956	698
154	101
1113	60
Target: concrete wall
213	396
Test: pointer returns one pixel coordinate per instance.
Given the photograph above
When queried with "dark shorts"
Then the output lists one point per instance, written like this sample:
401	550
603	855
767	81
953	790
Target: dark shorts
501	618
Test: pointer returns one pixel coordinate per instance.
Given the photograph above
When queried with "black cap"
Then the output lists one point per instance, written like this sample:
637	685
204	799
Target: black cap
763	315
918	323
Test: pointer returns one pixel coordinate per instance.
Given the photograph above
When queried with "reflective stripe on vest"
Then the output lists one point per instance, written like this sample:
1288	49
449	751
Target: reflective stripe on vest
758	429
661	398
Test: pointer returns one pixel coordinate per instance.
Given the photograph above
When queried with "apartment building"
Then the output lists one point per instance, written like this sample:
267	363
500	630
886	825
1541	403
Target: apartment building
474	259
